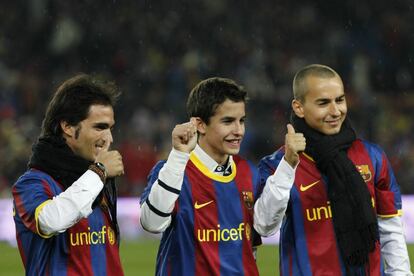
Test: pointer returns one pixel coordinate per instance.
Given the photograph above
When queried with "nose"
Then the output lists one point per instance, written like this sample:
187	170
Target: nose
238	128
334	110
108	137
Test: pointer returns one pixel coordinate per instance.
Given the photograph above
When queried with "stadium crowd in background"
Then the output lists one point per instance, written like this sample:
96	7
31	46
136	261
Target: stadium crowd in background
157	51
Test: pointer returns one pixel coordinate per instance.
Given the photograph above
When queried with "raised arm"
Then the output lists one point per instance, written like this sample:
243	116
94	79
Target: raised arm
163	190
64	210
270	208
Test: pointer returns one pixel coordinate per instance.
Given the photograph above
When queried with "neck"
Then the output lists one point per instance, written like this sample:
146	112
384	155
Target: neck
220	158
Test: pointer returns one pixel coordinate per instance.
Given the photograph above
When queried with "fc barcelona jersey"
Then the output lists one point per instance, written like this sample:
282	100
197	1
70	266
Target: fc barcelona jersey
308	244
211	231
87	248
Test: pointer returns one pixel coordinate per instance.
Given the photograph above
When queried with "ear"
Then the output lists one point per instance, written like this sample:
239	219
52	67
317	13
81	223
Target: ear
67	130
200	125
297	107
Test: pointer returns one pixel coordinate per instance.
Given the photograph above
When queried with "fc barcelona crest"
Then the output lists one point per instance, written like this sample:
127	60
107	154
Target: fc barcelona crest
365	172
248	199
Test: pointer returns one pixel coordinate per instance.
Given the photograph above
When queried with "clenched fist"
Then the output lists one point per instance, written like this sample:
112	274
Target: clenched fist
184	136
294	144
112	160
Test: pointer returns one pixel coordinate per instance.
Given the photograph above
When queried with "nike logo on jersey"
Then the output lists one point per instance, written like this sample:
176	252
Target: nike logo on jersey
307	187
199	206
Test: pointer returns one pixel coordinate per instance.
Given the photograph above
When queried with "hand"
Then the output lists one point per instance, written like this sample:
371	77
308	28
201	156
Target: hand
112	160
184	136
294	144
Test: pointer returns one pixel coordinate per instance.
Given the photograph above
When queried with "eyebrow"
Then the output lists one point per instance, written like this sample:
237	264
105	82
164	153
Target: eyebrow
101	125
227	118
328	99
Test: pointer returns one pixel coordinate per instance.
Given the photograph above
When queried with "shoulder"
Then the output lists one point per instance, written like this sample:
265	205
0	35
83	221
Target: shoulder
367	144
34	185
242	162
240	159
152	177
268	164
157	167
374	150
272	160
34	176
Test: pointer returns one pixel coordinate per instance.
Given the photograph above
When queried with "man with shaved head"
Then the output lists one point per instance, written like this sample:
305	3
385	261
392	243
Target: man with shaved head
344	207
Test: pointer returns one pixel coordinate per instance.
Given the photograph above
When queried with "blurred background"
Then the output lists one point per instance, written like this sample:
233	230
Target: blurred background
156	51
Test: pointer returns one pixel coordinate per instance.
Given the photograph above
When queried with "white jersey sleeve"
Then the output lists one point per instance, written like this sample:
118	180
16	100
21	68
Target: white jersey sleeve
270	208
67	208
156	210
393	246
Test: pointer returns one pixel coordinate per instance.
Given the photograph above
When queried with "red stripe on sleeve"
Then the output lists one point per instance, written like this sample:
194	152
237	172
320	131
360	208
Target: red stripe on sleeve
385	197
27	218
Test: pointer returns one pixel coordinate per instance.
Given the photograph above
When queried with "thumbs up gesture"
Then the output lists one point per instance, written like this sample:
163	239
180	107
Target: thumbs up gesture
294	144
184	136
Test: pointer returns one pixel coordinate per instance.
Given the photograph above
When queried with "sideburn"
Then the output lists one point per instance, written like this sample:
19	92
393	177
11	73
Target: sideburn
77	131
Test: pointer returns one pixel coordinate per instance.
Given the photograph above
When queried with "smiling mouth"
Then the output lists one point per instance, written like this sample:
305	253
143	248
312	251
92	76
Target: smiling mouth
334	122
99	146
234	142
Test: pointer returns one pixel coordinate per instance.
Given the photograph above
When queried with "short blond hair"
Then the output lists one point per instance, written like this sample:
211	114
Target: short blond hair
299	81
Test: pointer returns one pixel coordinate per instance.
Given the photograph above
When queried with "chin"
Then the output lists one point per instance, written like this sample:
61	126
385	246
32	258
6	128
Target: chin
233	151
332	131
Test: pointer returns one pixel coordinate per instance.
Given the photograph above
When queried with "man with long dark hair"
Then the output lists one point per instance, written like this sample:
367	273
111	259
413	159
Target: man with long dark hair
343	213
65	203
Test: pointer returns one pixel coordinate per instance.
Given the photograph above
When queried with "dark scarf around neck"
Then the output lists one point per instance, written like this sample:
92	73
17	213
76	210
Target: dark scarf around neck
354	220
53	156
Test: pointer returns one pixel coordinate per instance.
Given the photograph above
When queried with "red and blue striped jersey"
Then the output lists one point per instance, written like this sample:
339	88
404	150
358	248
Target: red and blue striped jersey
308	244
87	248
211	232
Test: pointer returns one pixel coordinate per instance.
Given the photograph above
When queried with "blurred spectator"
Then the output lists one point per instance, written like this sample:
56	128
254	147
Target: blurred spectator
157	50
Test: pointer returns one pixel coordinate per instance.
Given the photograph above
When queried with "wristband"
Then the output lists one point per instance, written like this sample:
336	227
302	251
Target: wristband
99	169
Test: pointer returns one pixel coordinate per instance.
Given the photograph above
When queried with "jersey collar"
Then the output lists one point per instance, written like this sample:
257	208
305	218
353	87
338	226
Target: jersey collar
208	165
